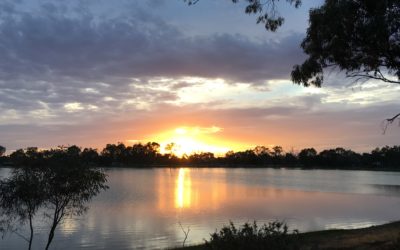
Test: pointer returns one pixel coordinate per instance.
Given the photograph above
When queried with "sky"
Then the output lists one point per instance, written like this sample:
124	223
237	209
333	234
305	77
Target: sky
91	72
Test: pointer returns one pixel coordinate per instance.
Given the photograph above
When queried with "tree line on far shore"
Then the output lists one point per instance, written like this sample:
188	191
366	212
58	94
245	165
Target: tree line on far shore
148	154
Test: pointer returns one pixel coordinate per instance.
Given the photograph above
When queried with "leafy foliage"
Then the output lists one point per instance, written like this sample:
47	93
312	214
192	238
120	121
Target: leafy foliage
307	156
56	180
20	198
274	235
143	153
360	37
67	191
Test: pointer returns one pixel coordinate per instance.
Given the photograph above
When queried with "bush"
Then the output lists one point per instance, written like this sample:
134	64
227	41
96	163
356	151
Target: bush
274	235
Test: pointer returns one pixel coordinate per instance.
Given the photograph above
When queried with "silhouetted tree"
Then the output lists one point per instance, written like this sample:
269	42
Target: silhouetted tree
3	158
171	148
261	150
339	157
89	156
57	179
308	156
113	153
277	154
143	153
2	150
290	159
360	37
21	195
18	157
263	153
67	190
73	151
386	156
202	158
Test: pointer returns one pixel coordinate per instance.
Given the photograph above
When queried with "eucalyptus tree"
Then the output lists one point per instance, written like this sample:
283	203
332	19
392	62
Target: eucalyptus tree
68	189
54	180
21	195
359	37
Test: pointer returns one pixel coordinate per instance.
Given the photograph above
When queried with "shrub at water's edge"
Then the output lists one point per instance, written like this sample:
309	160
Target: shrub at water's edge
271	236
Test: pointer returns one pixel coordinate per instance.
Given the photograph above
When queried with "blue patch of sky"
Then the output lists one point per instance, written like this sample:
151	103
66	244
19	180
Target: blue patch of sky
204	18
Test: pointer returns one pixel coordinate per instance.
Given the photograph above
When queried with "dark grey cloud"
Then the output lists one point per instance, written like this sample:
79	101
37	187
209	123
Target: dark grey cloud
41	46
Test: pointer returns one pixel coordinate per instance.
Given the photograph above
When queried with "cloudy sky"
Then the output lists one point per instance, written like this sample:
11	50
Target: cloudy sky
91	72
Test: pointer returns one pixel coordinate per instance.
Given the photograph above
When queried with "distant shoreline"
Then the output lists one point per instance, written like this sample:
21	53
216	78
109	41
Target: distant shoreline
148	156
239	166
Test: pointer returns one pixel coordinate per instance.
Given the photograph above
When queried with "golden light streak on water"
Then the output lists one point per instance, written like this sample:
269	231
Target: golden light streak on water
183	190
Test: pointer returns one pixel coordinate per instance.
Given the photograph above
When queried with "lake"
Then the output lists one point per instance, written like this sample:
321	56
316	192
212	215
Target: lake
144	208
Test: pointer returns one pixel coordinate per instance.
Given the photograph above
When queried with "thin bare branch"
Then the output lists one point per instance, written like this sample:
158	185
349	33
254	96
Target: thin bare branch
191	2
20	235
186	233
369	76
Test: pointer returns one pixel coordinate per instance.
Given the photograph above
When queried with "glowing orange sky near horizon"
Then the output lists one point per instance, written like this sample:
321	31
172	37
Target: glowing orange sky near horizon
188	140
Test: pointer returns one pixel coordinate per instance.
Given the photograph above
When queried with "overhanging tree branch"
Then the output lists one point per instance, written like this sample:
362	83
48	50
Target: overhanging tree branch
265	9
360	37
379	76
389	121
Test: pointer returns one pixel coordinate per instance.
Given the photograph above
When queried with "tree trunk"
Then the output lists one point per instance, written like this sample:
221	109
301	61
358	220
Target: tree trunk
31	235
51	235
53	227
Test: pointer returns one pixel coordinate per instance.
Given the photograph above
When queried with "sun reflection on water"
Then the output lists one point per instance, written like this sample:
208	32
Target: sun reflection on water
183	189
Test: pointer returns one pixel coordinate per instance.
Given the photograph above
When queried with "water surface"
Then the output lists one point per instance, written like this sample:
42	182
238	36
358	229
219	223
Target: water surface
144	207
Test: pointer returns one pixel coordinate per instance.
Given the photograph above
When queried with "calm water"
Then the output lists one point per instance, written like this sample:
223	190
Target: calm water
143	208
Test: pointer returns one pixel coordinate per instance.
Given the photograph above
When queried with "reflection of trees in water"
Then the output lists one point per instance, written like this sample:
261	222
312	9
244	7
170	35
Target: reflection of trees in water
387	189
59	183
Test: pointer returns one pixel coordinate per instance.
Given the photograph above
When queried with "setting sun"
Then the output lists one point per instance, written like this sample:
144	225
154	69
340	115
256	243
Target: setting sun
189	140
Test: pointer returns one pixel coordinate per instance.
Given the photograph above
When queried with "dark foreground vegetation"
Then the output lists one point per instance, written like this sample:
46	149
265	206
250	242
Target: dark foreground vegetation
276	236
271	236
47	185
148	155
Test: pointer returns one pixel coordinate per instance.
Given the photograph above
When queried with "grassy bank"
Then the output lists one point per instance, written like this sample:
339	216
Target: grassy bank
385	237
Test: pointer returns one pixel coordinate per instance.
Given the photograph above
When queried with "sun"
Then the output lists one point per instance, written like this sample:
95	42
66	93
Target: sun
189	140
